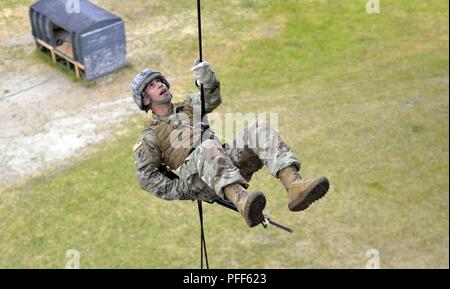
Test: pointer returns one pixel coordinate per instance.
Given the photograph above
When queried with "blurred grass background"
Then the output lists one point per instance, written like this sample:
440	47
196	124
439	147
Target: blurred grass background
362	99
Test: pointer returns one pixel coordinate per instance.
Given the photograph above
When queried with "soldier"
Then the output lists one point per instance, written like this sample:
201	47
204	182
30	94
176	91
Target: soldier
208	169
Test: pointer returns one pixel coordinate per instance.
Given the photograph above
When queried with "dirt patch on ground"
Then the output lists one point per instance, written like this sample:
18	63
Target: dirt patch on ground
46	118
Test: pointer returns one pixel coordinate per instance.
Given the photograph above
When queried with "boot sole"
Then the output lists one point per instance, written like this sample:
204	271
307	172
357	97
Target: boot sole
317	190
255	205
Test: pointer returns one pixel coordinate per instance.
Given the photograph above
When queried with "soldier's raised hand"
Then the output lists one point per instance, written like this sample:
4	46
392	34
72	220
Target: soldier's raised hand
203	73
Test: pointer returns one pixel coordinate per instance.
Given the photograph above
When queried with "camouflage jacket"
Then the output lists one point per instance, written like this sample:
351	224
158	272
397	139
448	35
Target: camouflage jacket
148	155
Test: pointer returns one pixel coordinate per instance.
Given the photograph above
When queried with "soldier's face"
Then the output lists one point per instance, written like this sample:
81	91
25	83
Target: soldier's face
156	89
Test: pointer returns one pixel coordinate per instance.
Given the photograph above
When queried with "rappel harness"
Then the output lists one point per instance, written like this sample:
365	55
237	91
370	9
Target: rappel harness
205	127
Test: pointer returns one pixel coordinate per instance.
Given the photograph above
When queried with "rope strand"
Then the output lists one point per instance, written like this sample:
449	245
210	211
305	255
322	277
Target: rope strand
202	100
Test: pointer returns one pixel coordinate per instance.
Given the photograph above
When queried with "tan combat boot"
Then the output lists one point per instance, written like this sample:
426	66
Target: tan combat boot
302	193
250	205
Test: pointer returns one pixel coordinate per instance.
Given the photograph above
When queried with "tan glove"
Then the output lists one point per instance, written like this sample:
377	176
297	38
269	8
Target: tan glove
203	73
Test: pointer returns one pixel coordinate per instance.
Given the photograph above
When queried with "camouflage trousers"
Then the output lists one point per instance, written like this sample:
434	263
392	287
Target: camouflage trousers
212	166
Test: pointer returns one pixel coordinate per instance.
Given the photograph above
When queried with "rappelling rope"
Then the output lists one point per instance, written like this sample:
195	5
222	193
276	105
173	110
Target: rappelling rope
202	100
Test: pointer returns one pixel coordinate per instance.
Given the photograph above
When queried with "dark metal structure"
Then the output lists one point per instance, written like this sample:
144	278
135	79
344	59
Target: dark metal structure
89	40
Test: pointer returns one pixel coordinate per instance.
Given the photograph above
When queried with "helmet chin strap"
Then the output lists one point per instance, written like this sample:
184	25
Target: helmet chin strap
165	100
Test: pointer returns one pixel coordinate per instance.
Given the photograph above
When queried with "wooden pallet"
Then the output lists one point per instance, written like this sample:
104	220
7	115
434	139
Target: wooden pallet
54	52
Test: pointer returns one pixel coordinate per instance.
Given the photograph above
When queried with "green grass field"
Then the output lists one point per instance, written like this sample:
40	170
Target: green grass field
362	99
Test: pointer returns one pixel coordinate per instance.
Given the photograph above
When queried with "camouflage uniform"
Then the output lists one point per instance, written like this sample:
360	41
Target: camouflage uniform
211	165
